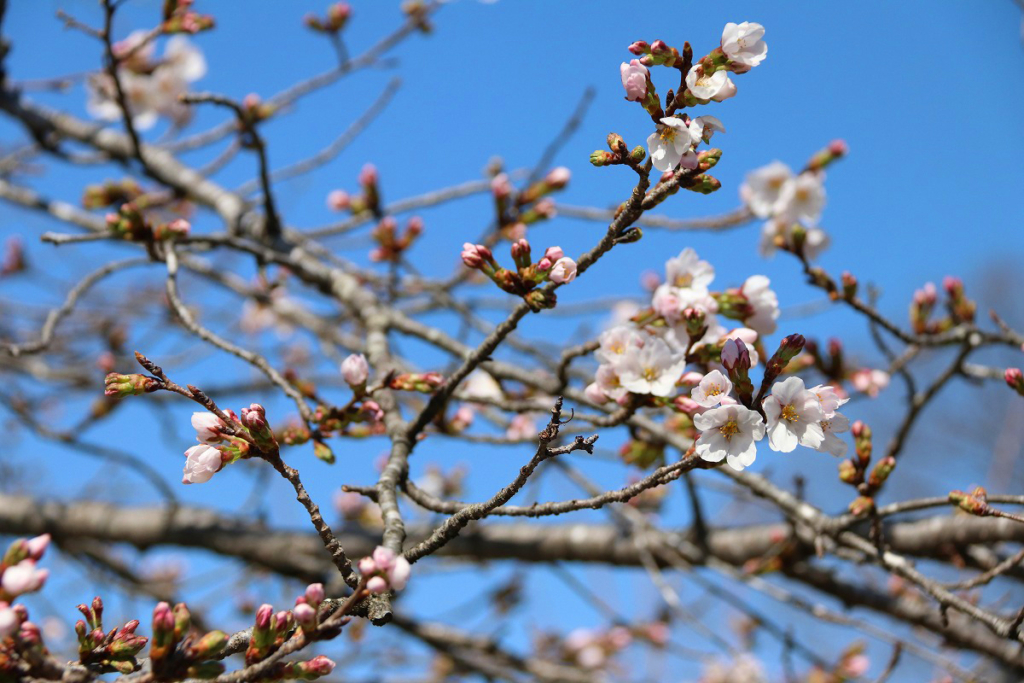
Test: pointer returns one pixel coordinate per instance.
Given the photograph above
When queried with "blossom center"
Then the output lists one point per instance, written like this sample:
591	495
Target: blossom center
789	413
668	134
729	429
714	390
650	374
684	280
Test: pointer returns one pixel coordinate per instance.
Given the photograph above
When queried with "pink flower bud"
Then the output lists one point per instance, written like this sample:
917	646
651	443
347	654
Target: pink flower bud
319	666
398	575
563	271
384	558
1015	379
553	253
23	578
545	208
557	178
838	148
338	200
201	463
634	80
208	427
367	566
37	546
415	227
595	394
372	410
304	615
475	255
377	584
355	370
368	176
639	47
315	593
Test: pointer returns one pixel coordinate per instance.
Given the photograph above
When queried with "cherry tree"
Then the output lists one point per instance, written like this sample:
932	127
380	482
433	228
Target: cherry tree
300	361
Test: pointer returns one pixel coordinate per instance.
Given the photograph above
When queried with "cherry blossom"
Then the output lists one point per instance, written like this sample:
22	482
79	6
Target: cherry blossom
869	381
23	577
729	432
201	464
763	186
614	343
209	428
728	90
355	370
703	127
780	230
386	569
688	270
832	444
794	416
764	302
802	198
705	85
634	80
563	271
713	387
671	145
744	43
653	369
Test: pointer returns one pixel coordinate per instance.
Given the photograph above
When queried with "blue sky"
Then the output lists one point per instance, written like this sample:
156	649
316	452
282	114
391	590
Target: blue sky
927	95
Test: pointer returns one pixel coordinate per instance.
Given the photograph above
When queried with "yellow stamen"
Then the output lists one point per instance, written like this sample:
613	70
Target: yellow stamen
789	413
729	429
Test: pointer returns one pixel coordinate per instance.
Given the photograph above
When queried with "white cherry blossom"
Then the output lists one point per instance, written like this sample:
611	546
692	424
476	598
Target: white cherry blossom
744	43
688	270
832	444
671	145
764	302
703	85
802	197
762	187
729	432
830	399
711	389
794	416
653	369
614	343
201	464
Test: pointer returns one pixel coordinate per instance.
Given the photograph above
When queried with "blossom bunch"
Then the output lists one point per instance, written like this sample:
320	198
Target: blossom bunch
791	204
554	266
152	86
384	570
517	210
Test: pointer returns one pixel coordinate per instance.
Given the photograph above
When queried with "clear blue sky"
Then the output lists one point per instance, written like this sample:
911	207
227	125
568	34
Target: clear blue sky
928	96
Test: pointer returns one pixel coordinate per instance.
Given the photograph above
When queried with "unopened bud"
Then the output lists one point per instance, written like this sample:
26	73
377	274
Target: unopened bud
638	154
849	286
323	452
119	386
209	646
862	505
1015	379
881	472
602	158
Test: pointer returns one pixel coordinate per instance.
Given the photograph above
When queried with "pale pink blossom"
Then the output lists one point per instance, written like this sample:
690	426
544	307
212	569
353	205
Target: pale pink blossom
713	387
728	90
563	271
209	428
802	198
869	381
703	127
355	370
616	342
35	547
558	177
688	270
521	427
829	398
634	79
338	200
201	463
794	416
837	423
23	577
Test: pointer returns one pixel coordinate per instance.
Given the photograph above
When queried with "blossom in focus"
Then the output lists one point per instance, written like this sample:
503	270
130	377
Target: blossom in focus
764	302
671	145
794	416
201	463
744	43
711	389
829	398
654	369
563	271
634	80
837	423
763	186
728	90
729	432
869	381
209	428
355	370
704	85
703	127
